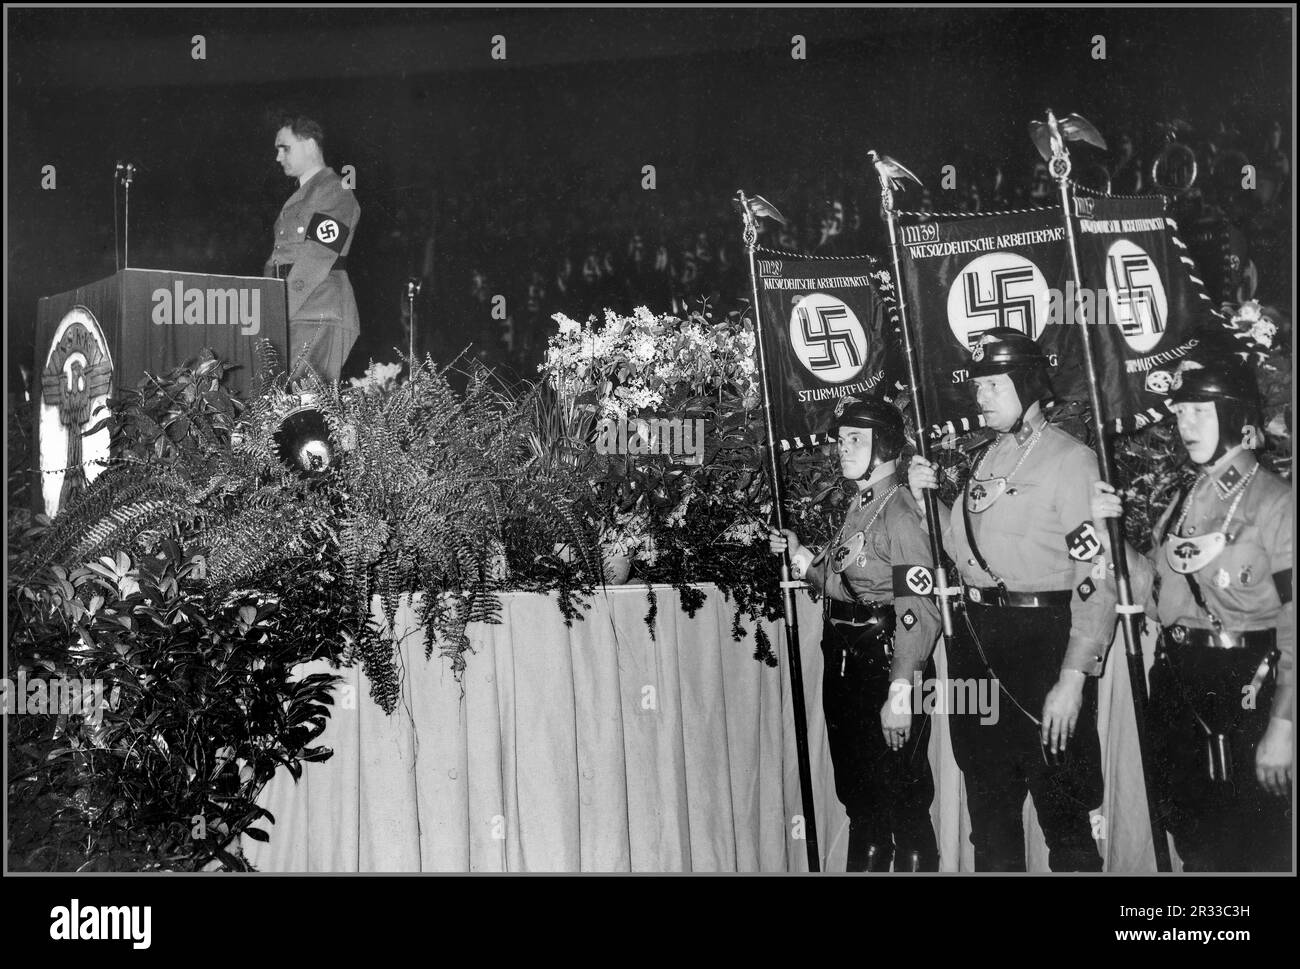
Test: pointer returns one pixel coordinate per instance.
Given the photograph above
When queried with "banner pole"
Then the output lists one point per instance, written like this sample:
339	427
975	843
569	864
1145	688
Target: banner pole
795	663
1125	608
887	170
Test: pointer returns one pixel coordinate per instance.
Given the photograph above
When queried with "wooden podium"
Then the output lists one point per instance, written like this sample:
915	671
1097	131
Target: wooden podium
92	340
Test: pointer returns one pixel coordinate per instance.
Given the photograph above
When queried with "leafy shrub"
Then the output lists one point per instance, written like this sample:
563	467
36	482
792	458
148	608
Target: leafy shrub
202	711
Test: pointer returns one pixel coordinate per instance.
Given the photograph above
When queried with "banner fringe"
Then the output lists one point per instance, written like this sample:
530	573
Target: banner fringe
978	215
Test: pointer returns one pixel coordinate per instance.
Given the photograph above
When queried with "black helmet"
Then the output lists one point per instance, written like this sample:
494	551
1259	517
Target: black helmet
1219	381
1233	390
1003	350
884	420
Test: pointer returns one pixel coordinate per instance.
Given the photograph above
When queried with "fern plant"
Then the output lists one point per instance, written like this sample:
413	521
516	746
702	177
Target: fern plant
437	492
433	492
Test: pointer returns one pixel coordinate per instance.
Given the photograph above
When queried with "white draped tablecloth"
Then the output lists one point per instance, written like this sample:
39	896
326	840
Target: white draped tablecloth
597	748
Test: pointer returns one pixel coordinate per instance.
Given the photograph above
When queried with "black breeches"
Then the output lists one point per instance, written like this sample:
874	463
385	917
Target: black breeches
1004	760
886	793
1228	823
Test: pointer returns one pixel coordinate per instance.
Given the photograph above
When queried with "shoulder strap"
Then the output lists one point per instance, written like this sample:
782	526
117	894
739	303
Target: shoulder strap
1192	585
1173	516
1199	597
970	533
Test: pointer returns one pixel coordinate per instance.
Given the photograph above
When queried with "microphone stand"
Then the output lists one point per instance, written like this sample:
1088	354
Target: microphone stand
126	175
413	287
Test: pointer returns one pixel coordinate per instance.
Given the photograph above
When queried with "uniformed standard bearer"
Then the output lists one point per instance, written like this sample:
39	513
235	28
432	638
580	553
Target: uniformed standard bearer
1219	581
1038	616
880	626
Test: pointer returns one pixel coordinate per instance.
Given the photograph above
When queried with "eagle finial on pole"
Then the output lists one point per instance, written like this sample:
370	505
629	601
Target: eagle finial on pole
1050	137
758	207
892	173
751	209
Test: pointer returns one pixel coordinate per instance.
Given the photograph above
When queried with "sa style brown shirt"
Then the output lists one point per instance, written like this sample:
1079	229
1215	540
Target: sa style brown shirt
1248	585
315	228
1038	535
887	562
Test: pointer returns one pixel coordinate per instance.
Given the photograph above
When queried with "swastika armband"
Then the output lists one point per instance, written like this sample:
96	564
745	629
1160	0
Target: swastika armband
1283	582
912	580
1083	543
328	231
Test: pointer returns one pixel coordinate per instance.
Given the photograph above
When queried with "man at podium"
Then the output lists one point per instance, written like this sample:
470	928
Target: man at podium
313	236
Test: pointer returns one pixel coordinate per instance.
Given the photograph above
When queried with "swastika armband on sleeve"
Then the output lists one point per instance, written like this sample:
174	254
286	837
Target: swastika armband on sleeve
1283	582
1083	543
912	580
328	231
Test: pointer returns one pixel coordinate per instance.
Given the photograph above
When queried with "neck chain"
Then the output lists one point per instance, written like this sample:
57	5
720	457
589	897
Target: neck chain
1239	490
867	527
883	502
1007	477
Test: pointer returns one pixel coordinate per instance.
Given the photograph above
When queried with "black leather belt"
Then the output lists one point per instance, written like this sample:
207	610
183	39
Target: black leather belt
1017	600
340	265
1194	636
859	613
861	630
862	613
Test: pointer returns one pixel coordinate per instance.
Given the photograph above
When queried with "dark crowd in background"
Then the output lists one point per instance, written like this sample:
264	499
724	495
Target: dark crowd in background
676	252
